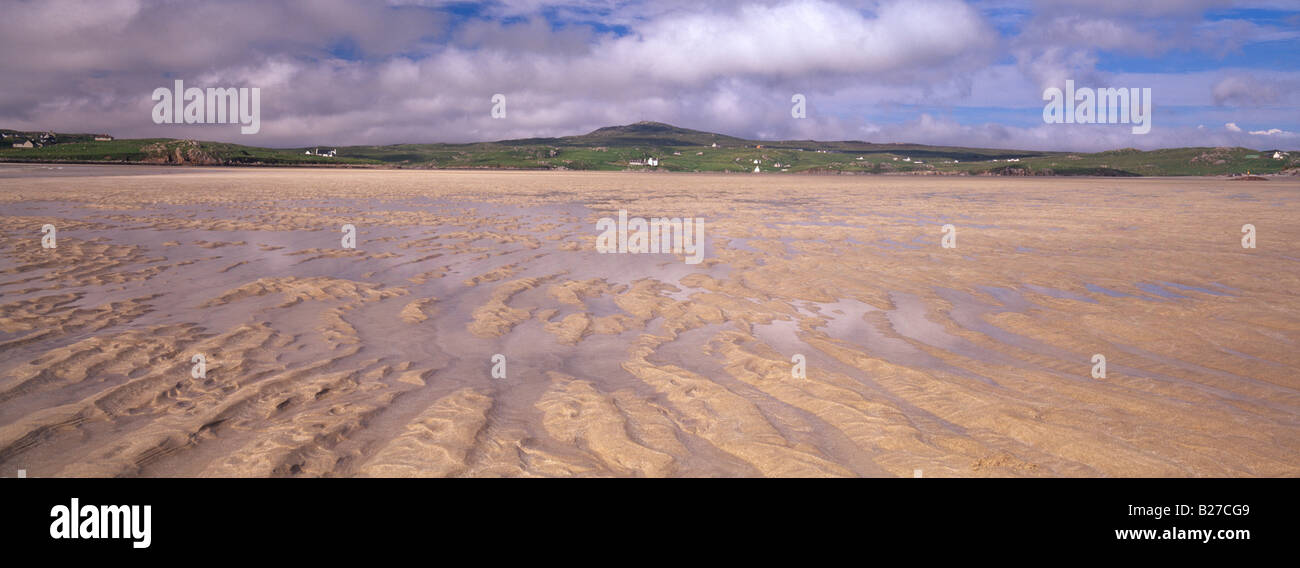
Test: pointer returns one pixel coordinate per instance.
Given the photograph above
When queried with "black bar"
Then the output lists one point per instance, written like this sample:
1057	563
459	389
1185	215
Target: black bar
236	518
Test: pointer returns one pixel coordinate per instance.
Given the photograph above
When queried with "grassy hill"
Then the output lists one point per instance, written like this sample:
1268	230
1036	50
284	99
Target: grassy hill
677	149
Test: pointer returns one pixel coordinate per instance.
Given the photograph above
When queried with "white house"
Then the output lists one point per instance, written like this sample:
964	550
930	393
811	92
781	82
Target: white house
756	170
652	162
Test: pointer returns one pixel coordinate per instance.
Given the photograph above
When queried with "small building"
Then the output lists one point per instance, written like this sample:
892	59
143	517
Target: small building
24	144
652	162
103	138
756	170
1280	155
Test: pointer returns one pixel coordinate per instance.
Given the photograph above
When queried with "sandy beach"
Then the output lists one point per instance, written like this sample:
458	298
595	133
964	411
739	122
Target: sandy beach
973	361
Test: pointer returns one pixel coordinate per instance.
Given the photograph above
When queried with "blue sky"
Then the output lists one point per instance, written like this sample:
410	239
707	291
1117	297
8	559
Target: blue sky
339	72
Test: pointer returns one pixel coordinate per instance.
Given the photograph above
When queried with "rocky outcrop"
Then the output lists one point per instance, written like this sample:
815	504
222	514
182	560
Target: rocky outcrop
178	152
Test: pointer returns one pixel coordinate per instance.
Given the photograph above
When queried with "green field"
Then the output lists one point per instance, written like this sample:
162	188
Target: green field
677	149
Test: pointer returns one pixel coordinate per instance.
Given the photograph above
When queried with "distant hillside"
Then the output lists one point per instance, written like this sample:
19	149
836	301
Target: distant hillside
656	134
11	137
675	149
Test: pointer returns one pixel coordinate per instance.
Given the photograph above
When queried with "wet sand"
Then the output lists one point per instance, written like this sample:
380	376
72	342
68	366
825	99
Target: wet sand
323	361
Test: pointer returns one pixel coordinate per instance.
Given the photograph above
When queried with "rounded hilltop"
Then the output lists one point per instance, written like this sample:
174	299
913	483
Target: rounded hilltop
656	133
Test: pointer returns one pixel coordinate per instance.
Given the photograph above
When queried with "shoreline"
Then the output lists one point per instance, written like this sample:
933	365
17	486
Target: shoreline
318	167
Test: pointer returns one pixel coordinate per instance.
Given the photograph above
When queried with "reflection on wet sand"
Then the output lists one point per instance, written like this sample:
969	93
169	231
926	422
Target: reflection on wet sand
325	361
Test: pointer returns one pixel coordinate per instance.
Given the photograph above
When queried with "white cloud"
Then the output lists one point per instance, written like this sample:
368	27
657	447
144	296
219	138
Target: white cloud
1243	89
727	66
